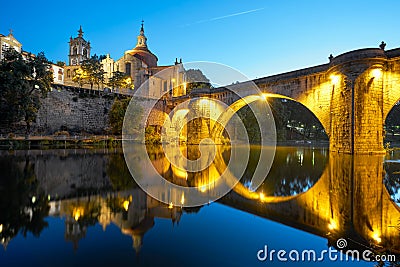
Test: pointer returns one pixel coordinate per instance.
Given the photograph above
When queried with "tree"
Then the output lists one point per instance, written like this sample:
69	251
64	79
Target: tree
23	206
196	79
120	80
91	72
80	77
60	63
22	83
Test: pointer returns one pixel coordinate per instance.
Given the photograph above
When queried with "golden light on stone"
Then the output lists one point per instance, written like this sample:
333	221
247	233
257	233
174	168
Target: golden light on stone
262	196
335	79
180	173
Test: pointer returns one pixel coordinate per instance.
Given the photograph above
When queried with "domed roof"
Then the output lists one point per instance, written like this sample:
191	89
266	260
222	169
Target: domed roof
142	52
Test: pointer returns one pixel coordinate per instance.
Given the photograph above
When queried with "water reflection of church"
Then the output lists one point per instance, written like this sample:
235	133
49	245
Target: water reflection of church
133	212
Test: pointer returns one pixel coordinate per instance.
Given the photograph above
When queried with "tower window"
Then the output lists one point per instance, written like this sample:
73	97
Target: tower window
75	50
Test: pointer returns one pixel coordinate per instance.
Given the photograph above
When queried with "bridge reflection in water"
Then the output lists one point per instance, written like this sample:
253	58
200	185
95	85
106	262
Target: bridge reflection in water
349	200
327	194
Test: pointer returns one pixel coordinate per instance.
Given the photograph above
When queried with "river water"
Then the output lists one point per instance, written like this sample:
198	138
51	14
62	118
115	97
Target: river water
82	208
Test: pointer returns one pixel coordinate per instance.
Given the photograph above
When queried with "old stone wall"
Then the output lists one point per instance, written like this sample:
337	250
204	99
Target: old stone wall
73	111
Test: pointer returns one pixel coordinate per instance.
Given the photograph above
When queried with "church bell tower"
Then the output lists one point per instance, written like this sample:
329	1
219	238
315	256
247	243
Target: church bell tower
79	49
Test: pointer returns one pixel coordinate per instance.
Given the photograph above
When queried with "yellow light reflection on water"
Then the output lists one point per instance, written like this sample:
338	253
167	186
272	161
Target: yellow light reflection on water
203	188
377	237
126	205
77	213
332	225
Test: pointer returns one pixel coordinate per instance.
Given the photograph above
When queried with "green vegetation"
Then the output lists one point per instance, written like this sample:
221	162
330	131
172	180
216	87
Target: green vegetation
119	174
91	72
117	114
22	83
196	79
292	121
23	207
120	80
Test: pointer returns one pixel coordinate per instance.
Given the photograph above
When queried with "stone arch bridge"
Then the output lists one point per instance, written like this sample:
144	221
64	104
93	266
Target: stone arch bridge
351	96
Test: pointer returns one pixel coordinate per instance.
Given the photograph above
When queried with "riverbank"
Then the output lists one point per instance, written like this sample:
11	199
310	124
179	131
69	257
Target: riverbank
99	141
60	141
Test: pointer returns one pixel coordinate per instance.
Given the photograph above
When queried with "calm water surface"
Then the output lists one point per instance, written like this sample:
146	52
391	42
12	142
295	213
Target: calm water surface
82	208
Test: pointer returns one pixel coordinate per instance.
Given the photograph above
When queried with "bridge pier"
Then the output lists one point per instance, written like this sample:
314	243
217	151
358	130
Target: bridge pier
357	112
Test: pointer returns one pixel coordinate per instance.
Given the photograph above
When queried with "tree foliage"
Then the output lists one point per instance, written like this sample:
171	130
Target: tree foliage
285	112
120	80
91	72
22	83
196	79
23	207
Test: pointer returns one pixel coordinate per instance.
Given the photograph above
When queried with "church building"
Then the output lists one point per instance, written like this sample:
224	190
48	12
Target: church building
139	63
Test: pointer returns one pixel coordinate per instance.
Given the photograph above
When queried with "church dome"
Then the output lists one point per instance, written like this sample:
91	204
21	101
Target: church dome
142	52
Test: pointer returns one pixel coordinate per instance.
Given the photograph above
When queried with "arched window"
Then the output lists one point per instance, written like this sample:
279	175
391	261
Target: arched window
75	50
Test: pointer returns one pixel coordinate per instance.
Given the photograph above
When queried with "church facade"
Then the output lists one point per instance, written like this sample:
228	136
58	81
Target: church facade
138	63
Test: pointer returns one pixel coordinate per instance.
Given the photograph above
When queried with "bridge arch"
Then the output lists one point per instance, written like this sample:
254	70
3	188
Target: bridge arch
247	100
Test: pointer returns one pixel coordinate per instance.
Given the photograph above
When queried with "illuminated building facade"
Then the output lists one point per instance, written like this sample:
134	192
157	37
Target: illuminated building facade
140	64
9	41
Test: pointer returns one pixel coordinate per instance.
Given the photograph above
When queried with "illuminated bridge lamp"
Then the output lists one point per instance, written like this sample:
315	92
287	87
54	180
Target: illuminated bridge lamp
170	206
332	225
335	79
262	196
377	73
264	97
376	237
